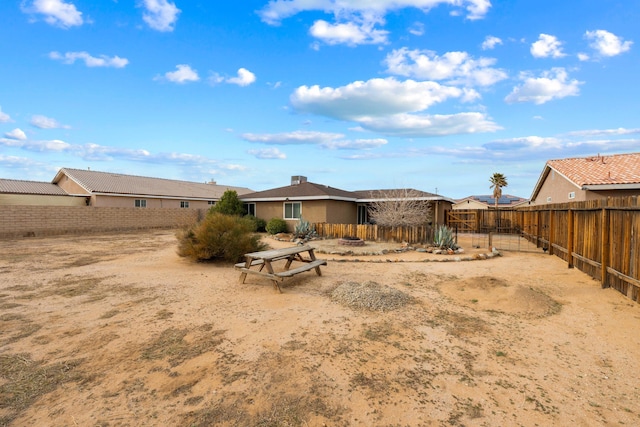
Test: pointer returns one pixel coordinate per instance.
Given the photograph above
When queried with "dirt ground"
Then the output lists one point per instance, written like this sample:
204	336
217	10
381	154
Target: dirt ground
117	330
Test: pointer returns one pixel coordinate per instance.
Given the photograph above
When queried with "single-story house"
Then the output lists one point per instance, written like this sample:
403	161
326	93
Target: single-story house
108	189
318	203
488	202
588	178
120	190
19	192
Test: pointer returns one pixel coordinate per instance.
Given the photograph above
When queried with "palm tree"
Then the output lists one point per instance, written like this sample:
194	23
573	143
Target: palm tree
497	181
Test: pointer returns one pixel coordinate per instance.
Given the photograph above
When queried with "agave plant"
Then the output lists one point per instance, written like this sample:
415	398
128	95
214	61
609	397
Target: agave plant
304	229
444	238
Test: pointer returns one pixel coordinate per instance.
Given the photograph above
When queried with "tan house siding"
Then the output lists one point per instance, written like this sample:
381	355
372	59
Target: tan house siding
70	186
339	212
268	210
469	204
35	221
36	199
556	189
129	202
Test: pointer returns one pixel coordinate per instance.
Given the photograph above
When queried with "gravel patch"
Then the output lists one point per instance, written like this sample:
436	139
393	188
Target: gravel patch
370	296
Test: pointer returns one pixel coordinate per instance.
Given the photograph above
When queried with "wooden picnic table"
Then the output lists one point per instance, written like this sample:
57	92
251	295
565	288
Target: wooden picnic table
263	261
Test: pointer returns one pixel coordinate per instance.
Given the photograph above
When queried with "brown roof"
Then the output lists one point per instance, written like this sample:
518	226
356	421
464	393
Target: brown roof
600	170
117	183
381	194
304	190
12	186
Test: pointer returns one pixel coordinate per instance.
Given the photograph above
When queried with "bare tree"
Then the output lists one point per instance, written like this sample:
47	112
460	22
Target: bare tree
402	207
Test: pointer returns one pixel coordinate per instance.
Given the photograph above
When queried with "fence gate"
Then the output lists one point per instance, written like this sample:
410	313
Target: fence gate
465	221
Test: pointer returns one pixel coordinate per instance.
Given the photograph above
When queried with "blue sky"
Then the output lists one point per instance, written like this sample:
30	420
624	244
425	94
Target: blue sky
362	94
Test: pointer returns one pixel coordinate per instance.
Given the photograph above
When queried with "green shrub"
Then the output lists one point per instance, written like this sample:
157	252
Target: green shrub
229	204
219	237
261	224
276	225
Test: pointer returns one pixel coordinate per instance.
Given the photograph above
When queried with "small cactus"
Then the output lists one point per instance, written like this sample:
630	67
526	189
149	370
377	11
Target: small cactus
304	229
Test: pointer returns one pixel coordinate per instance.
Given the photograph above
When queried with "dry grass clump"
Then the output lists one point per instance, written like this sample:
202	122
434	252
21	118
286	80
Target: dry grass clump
370	296
25	380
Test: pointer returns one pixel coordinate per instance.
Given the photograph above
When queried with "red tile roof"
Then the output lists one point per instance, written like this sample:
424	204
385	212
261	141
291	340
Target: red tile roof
600	170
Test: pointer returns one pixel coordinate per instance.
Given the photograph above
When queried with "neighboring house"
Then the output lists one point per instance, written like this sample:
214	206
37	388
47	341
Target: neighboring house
318	203
18	192
120	190
488	202
588	178
107	189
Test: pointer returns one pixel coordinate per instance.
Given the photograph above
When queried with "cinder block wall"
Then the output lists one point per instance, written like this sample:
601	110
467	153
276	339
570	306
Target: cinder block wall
32	221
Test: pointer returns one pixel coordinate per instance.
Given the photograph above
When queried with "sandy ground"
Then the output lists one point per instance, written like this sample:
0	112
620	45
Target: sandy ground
117	330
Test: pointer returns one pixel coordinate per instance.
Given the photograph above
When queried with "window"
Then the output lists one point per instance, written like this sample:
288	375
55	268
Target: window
250	209
140	203
572	195
184	204
292	210
211	202
549	199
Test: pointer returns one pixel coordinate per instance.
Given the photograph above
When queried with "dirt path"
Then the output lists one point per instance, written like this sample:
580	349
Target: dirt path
117	330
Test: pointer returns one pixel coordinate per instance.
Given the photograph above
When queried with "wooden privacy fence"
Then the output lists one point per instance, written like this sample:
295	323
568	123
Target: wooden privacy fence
599	237
376	233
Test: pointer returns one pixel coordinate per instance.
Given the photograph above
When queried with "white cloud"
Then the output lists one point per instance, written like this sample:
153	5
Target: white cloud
375	97
552	84
183	74
417	29
604	132
583	57
422	126
268	153
4	117
349	33
160	15
90	61
333	141
455	67
44	122
490	42
277	10
244	78
54	145
547	46
606	43
529	142
56	12
293	138
17	134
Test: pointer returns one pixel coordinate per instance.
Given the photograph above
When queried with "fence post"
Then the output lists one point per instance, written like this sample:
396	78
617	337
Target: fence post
570	238
604	229
552	233
537	229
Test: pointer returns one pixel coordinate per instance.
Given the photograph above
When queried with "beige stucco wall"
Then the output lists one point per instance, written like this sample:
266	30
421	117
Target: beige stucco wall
339	212
129	202
70	186
34	200
314	211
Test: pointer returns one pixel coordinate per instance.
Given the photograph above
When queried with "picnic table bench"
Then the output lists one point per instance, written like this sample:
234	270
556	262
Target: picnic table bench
263	259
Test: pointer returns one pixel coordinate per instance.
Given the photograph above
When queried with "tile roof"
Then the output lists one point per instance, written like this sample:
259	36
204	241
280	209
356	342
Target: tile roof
305	190
600	170
116	183
12	186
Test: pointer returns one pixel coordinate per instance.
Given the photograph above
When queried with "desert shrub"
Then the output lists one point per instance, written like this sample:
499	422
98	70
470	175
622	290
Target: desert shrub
229	204
260	224
219	237
276	225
